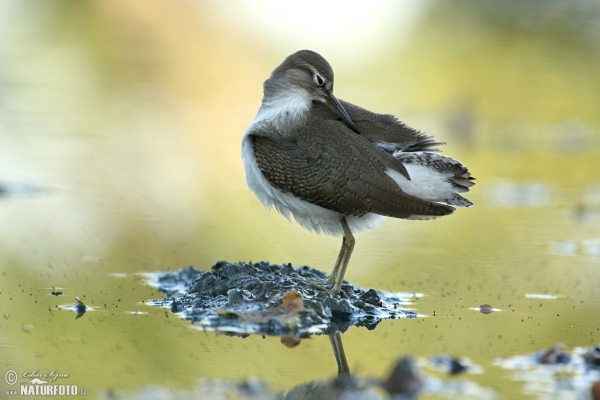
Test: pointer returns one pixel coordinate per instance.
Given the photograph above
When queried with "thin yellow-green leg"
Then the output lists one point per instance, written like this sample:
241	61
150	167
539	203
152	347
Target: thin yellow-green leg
339	269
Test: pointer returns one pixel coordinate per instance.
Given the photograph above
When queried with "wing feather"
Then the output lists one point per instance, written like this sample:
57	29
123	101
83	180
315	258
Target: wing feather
339	171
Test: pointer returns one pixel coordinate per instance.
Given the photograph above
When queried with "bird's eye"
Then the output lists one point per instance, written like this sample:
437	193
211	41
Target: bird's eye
318	80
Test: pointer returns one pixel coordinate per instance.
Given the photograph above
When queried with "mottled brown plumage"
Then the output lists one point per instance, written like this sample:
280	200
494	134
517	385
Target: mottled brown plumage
340	170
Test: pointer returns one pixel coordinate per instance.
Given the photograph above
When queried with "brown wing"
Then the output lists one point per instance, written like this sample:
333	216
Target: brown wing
339	171
385	128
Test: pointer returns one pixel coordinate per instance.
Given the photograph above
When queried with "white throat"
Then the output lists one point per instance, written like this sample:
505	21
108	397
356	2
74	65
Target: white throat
284	110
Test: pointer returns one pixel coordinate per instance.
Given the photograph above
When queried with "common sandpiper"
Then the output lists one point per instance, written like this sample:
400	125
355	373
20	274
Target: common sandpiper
338	168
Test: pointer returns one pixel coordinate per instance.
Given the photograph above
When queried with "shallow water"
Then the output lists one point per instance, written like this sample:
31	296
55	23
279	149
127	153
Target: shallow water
120	155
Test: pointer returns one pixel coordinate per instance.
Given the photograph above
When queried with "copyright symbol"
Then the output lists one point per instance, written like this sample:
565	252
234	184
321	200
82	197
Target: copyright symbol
11	377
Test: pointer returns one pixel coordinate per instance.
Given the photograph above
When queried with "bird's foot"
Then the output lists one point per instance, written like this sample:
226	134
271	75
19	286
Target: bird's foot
320	285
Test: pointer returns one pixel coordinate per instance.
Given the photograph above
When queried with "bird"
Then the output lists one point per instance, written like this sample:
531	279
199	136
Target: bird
338	168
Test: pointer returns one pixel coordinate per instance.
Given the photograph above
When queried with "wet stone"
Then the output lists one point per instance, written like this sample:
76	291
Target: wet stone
245	298
170	282
341	309
371	297
235	296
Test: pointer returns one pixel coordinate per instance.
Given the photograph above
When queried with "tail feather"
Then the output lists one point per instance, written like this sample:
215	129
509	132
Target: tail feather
437	178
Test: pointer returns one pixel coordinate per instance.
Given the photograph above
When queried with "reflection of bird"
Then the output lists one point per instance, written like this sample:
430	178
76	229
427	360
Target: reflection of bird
338	168
404	379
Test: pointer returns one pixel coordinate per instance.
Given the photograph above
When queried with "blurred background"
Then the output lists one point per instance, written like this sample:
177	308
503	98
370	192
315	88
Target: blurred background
120	153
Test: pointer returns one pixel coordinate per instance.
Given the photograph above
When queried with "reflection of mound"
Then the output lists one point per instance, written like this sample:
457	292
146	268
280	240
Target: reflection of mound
36	381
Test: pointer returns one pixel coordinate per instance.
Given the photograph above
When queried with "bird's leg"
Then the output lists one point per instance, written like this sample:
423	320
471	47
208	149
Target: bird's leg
339	270
340	258
335	271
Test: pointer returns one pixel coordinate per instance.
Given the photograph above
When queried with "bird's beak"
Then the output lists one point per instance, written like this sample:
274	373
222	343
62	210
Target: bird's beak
337	107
